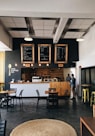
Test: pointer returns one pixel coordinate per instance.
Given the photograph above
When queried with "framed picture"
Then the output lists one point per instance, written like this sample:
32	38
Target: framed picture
61	53
44	53
27	53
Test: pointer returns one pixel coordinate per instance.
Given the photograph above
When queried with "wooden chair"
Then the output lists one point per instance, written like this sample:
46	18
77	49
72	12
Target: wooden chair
20	98
85	95
3	127
52	99
3	100
38	97
52	89
12	96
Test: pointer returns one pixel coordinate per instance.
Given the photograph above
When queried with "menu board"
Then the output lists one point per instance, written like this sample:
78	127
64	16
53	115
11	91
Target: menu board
61	53
44	53
27	53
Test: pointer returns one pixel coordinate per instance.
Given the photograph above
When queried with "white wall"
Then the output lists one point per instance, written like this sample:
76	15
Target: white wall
69	71
87	49
5	38
86	52
73	71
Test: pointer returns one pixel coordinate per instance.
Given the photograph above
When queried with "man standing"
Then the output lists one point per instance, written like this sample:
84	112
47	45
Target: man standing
68	78
73	86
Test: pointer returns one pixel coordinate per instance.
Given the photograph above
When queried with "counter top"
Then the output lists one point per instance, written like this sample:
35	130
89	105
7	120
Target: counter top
85	85
35	82
28	82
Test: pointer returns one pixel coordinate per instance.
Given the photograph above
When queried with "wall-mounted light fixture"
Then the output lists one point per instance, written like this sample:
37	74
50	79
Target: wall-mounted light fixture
31	65
47	64
9	66
39	64
15	64
23	64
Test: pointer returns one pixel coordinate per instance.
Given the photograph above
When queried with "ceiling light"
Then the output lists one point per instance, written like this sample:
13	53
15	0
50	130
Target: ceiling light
47	64
31	65
80	39
28	38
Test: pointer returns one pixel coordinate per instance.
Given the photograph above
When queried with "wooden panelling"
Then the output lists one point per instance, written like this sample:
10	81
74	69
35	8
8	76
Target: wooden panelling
50	72
63	88
55	85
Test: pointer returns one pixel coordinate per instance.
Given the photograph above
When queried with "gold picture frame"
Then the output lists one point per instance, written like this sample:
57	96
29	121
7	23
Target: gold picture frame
27	53
61	53
44	53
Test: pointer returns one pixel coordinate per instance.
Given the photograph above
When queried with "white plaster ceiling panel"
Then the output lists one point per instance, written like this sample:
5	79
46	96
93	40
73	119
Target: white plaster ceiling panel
73	35
81	23
18	34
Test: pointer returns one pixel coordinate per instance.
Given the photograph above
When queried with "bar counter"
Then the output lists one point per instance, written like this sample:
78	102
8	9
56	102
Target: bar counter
30	88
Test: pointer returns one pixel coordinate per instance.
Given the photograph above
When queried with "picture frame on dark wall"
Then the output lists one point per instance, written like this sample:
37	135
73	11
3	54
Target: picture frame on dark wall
61	53
44	53
27	53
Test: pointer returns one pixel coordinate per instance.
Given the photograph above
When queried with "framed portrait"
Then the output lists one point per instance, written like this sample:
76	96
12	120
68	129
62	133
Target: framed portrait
44	53
61	53
27	53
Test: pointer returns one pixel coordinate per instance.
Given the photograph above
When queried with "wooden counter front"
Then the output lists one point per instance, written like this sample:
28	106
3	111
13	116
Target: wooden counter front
63	88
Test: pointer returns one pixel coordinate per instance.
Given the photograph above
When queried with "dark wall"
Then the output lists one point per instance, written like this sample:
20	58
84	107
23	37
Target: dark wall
73	54
88	76
14	56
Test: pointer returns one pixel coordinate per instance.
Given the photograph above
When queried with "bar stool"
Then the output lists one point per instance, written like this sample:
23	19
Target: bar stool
92	99
85	95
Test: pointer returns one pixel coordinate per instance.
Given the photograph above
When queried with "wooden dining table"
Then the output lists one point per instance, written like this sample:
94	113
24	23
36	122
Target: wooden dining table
1	85
52	99
6	93
87	126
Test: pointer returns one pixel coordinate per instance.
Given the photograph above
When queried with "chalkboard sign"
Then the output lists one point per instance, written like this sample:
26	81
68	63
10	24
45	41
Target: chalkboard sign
27	53
61	53
44	53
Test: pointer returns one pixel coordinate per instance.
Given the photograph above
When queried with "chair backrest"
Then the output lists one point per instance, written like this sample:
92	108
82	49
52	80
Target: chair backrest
52	89
38	94
20	94
13	89
3	127
53	94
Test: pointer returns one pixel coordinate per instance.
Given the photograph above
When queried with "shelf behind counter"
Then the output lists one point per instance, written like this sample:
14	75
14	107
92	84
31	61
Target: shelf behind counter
29	88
